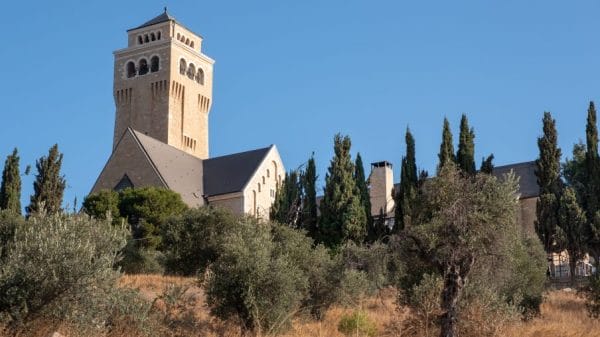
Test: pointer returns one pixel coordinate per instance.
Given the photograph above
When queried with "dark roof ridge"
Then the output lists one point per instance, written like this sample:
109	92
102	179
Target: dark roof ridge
239	153
524	163
139	143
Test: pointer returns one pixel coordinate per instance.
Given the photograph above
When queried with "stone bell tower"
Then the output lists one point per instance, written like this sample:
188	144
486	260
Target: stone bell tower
163	85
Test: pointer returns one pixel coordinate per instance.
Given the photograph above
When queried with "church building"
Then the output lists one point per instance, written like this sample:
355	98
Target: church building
163	96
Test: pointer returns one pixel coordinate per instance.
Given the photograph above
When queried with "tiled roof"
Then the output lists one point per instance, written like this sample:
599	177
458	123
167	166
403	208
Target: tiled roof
181	171
163	17
231	173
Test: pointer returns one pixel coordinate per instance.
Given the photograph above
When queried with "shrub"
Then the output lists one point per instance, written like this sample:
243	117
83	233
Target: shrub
140	260
323	279
102	204
593	296
146	208
253	279
353	285
357	324
61	267
485	312
372	260
9	222
424	299
192	240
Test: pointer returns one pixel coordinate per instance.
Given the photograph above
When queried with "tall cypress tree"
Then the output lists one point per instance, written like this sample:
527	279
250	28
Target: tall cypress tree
342	216
446	154
406	194
363	188
287	206
10	189
572	221
548	178
465	156
487	164
591	183
49	184
309	203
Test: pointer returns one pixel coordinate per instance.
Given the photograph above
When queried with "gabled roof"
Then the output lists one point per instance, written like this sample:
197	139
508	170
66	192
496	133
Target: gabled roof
181	171
163	17
525	171
528	186
231	173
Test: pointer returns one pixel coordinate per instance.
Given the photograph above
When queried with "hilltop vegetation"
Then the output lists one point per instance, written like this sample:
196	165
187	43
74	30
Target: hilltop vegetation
453	262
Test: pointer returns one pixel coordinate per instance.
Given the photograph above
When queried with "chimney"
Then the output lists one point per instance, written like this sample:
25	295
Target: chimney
381	183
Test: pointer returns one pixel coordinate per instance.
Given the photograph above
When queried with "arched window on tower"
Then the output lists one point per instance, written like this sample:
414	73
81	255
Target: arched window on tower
154	64
192	44
130	69
143	68
191	72
182	66
152	37
200	76
140	39
158	35
146	39
187	41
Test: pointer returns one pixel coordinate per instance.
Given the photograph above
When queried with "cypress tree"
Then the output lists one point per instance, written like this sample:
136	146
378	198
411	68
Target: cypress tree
363	188
10	189
406	194
379	230
572	222
591	183
309	203
465	156
446	154
487	164
287	207
592	163
49	184
342	216
548	178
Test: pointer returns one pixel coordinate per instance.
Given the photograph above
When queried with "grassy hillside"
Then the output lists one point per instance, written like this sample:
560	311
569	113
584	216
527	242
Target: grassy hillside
181	311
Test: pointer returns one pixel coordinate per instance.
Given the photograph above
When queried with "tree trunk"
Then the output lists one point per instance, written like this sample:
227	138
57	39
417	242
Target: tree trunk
454	281
572	267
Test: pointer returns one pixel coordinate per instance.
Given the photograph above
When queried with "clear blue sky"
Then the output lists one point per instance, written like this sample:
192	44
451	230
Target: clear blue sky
294	73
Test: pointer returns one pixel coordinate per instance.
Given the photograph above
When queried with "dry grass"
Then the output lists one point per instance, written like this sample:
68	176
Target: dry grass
563	315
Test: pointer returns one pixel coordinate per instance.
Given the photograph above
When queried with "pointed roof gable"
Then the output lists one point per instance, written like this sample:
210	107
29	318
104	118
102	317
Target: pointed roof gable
163	17
181	171
231	173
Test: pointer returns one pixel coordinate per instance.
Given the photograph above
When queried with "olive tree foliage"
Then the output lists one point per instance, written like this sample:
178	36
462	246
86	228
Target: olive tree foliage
461	223
192	241
61	267
265	274
256	278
